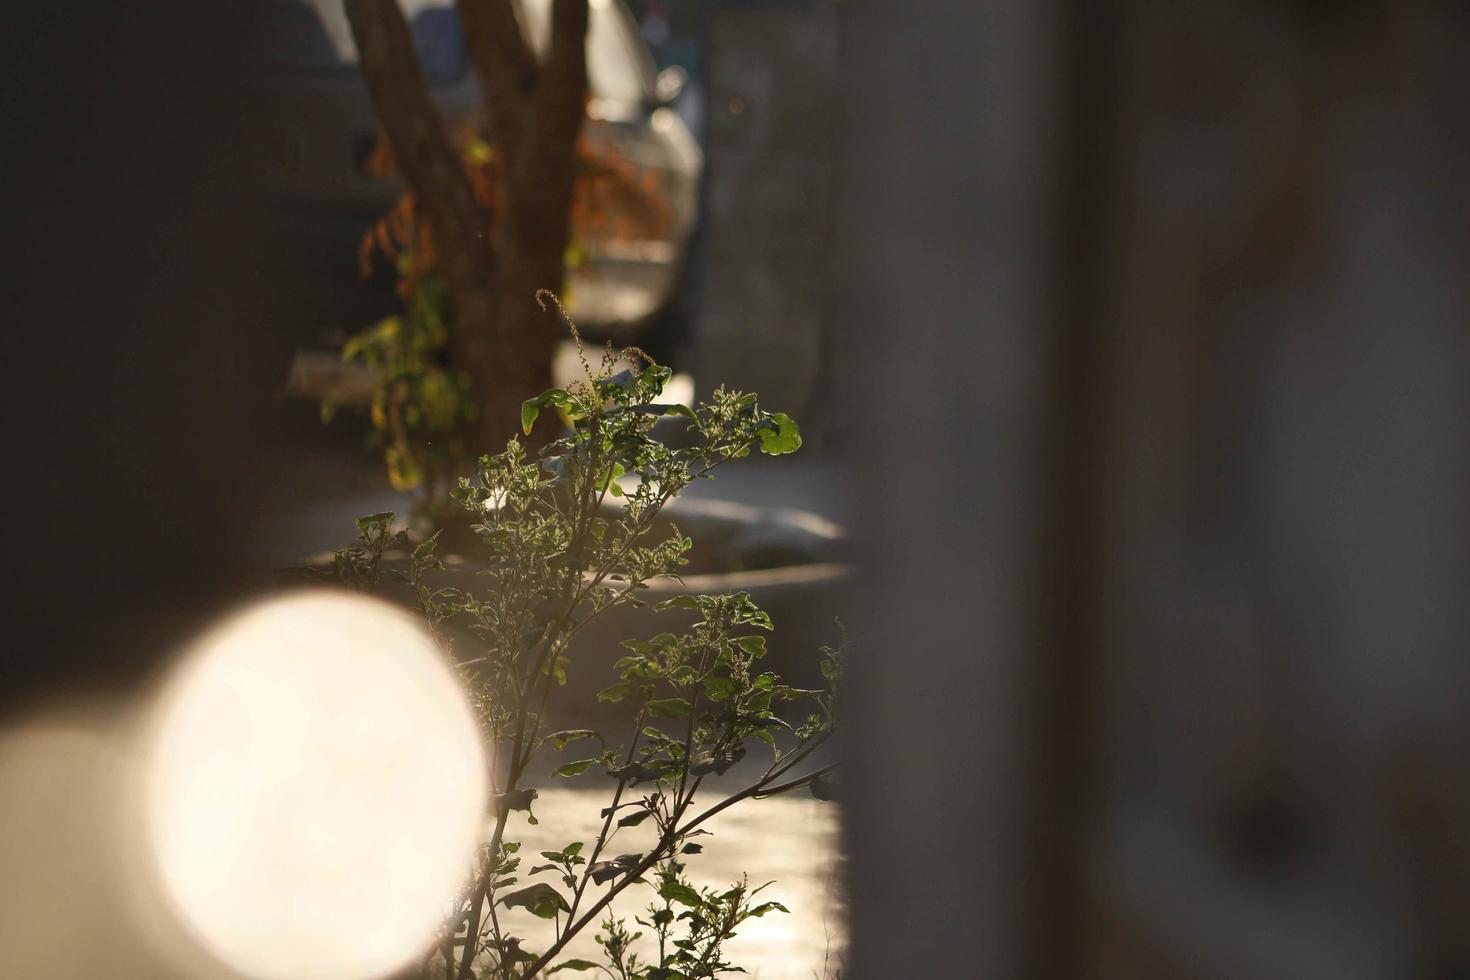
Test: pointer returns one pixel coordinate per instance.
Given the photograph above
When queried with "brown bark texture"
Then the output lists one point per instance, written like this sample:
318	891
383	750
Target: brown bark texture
493	264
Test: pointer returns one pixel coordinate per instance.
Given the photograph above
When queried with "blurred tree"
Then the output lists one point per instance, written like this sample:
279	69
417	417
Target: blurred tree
535	108
420	402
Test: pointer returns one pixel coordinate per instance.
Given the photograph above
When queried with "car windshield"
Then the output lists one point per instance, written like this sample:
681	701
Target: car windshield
315	34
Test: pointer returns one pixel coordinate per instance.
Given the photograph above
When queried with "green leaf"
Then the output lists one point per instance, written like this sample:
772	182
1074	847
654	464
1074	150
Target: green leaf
375	521
691	848
604	871
514	954
540	900
638	772
560	740
669	708
573	768
762	909
779	435
754	646
624	379
717	764
521	799
677	891
633	819
574	965
651	380
609	480
426	550
719	688
679	602
531	407
664	408
616	692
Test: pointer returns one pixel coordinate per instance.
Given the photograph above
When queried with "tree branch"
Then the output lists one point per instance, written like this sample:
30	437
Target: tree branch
666	842
505	63
422	148
559	102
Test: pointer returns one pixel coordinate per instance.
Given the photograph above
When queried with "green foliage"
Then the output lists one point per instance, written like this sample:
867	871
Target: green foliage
568	533
689	925
419	404
539	899
358	565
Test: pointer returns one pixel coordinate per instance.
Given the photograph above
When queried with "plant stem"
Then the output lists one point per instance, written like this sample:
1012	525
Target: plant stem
612	811
666	842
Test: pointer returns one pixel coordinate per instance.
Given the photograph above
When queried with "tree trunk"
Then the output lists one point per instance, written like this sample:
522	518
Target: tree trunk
501	336
536	112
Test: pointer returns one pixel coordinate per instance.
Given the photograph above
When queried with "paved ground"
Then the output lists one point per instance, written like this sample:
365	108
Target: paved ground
790	840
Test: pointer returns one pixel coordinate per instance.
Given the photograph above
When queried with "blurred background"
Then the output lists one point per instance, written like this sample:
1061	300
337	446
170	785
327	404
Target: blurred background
1130	341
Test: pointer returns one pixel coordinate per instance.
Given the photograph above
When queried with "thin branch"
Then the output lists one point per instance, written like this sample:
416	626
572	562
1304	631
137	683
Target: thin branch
505	63
798	783
666	843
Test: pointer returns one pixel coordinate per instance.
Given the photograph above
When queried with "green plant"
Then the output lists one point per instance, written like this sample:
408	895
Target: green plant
420	404
566	538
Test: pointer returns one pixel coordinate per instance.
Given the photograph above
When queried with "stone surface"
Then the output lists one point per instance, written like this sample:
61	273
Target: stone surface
769	197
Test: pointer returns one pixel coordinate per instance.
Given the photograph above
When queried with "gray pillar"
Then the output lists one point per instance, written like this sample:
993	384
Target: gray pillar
941	262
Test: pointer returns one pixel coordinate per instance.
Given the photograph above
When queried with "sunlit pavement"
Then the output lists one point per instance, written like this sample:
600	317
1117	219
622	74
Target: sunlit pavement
790	840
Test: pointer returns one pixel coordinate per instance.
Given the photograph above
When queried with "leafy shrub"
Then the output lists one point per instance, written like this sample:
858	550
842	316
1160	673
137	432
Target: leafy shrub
420	405
566	538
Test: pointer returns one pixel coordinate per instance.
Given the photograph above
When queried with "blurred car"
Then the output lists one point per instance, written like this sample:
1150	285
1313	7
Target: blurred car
322	128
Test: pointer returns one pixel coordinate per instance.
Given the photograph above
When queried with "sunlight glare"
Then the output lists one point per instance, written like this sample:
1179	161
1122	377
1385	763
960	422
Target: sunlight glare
315	789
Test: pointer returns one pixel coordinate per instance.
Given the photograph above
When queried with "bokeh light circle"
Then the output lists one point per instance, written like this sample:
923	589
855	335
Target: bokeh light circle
315	786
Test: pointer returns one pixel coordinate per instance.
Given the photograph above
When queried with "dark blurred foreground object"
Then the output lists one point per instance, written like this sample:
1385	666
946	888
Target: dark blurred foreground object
1163	326
133	372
